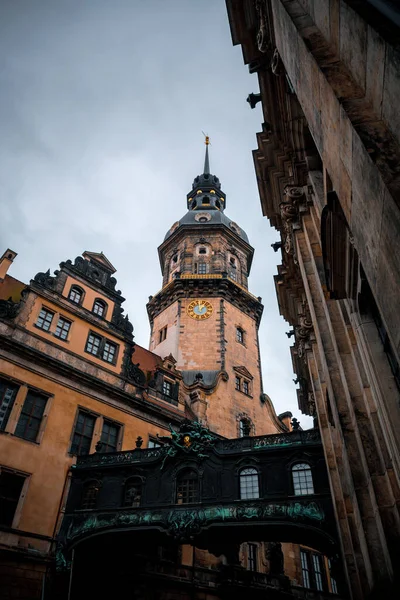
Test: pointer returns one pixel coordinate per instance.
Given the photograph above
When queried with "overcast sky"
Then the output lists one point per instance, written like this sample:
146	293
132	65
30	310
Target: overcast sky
102	108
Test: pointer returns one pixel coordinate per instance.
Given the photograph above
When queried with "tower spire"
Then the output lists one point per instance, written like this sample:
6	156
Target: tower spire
206	159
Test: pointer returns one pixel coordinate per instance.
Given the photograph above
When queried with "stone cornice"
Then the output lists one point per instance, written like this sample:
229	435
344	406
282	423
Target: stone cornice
204	288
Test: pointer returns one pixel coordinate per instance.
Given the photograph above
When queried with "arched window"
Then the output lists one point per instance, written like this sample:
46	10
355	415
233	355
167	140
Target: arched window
302	479
187	487
89	495
244	427
75	294
132	492
99	307
249	483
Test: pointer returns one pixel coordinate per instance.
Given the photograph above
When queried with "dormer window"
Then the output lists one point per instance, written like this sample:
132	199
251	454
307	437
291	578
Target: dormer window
99	308
76	294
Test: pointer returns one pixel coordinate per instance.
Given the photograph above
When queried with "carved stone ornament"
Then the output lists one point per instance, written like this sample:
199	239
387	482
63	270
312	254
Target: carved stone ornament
312	410
294	192
136	374
92	271
192	438
45	280
276	65
9	309
263	40
121	321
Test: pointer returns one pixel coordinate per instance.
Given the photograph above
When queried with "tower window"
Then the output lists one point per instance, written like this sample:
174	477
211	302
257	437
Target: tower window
99	308
239	335
202	250
302	479
217	204
249	488
202	268
162	334
193	204
203	220
205	200
187	488
44	319
175	258
75	294
244	427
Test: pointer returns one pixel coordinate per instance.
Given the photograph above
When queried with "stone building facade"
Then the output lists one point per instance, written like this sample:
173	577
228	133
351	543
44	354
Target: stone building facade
328	177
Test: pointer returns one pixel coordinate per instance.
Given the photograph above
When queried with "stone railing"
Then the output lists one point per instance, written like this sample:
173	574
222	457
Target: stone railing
224	446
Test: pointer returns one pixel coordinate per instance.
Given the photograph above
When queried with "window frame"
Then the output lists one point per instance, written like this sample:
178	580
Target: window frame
202	268
103	303
238	383
240	335
170	384
297	485
59	337
154	441
162	334
22	494
118	426
81	291
8	384
85	486
31	417
244	478
48	311
246	387
242	433
101	347
80	409
316	579
132	479
252	557
180	477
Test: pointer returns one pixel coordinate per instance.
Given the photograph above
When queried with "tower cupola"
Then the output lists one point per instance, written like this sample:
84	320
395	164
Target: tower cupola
206	191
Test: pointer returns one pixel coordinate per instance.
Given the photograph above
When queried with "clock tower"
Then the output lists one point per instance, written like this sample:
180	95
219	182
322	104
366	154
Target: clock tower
206	320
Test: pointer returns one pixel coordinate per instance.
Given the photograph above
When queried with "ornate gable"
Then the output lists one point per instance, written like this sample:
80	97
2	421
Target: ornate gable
101	259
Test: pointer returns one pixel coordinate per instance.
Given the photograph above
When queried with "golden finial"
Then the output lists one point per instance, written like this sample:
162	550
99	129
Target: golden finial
207	139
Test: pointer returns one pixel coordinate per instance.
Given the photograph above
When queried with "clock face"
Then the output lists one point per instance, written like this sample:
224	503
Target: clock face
200	309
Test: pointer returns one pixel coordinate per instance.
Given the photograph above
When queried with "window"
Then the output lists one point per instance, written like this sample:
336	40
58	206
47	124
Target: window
167	387
8	392
252	557
187	488
93	344
203	220
75	294
132	492
63	327
313	570
239	335
246	388
205	200
99	308
109	352
83	433
249	484
152	443
232	274
10	492
109	436
89	495
238	385
202	250
202	268
44	319
31	416
333	581
102	348
244	427
302	479
162	334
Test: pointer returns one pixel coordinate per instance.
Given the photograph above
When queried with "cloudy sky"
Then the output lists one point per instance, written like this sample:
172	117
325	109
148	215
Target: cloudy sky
102	108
